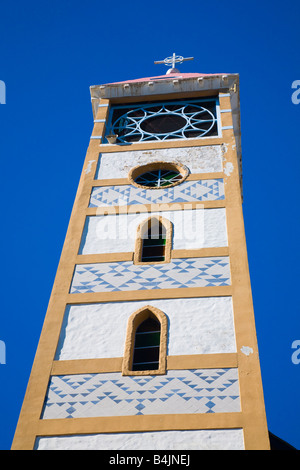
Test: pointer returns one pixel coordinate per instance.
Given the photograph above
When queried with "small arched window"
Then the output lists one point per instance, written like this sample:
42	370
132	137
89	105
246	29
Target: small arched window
146	343
154	241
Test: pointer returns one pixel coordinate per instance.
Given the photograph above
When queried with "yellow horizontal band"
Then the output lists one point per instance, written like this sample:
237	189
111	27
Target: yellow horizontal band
106	365
128	256
140	423
184	292
125	181
148	208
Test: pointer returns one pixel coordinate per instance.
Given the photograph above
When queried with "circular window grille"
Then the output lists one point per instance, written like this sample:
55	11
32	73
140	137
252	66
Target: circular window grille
162	121
158	175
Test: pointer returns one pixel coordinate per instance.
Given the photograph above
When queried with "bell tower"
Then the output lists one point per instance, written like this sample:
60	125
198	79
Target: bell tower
149	340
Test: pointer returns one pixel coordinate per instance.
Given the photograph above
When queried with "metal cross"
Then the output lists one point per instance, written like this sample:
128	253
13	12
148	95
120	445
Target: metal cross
174	59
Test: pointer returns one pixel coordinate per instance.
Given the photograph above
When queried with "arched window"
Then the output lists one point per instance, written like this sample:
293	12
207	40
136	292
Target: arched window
154	241
146	343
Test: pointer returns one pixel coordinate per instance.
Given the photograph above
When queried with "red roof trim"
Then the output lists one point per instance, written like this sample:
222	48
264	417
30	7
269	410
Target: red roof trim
168	77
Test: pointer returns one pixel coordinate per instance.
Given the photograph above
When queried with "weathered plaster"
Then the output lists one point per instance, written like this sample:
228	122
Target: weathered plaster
228	168
216	439
89	167
246	350
198	160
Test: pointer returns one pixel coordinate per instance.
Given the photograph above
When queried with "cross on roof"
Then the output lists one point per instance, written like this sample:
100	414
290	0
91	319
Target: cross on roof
174	59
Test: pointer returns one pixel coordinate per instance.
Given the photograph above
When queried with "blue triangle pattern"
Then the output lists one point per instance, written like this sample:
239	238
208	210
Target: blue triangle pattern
119	276
203	391
187	191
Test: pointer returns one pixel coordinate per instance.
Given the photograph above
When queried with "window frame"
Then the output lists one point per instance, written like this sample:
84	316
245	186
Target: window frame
142	227
138	170
145	341
146	105
134	322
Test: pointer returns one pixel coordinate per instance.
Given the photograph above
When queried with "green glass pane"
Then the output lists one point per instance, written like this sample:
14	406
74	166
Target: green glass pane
158	178
154	242
147	339
169	175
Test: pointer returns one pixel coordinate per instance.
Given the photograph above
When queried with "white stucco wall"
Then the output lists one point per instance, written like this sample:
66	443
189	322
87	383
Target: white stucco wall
197	159
192	229
195	326
216	439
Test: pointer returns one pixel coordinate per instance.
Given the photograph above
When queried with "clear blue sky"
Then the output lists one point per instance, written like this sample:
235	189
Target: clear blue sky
51	52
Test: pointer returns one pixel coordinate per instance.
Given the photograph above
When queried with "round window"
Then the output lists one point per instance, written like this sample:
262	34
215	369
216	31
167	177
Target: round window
158	175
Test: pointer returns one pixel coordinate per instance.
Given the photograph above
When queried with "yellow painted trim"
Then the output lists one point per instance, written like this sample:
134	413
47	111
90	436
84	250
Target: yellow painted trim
104	258
200	253
99	127
202	142
202	361
205	176
190	177
107	365
111	182
252	401
225	102
184	292
139	423
39	378
128	256
87	366
226	119
138	208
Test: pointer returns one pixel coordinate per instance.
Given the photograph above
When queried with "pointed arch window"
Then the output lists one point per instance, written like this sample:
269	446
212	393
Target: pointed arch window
154	241
146	343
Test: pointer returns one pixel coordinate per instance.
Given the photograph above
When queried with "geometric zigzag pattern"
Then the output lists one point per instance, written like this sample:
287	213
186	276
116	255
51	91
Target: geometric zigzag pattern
188	191
126	276
111	394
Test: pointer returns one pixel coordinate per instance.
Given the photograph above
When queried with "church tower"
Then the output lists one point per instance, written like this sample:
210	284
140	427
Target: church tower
149	340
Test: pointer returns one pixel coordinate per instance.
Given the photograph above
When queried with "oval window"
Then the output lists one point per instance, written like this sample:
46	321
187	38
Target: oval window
158	175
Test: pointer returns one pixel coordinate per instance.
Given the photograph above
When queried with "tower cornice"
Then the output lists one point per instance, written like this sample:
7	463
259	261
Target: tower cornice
176	86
